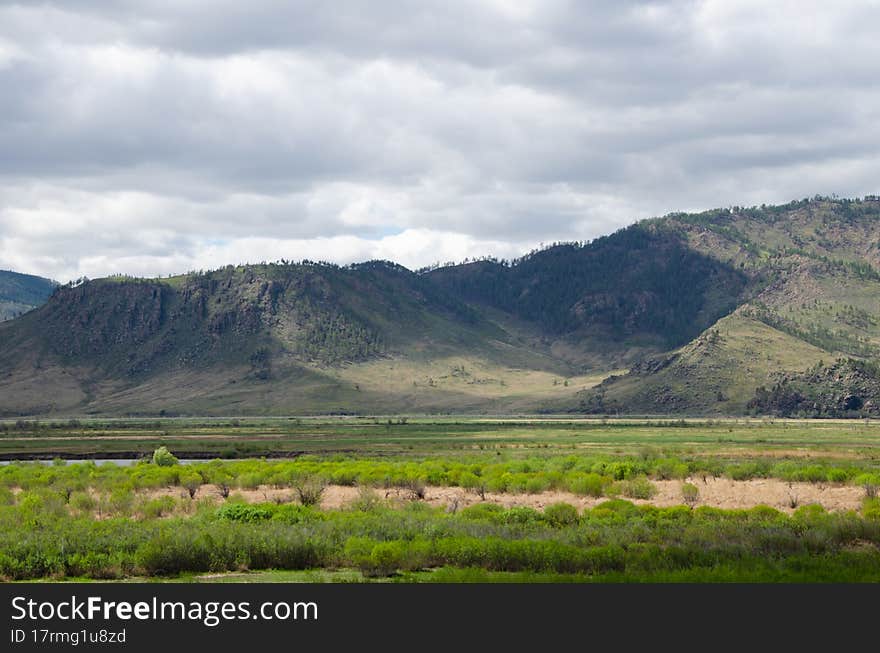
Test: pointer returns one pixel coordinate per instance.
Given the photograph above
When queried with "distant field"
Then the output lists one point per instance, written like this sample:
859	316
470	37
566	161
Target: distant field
435	436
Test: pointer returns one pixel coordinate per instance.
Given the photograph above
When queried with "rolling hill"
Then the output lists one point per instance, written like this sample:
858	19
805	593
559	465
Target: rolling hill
717	313
816	298
20	293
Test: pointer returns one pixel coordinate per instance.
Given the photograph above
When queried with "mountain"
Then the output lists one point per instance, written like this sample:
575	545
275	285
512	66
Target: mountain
815	266
721	312
609	301
20	293
264	338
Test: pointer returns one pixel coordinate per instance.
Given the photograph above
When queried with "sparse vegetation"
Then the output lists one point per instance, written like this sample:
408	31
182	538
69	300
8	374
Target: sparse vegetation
690	494
871	483
110	521
310	489
616	539
637	488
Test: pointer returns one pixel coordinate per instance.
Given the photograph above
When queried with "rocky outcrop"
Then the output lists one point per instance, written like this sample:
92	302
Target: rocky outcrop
847	388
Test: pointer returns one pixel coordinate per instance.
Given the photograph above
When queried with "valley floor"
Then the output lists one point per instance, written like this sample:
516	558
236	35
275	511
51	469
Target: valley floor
405	499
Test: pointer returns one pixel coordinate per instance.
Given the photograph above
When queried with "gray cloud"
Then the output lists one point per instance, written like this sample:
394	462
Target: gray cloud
150	137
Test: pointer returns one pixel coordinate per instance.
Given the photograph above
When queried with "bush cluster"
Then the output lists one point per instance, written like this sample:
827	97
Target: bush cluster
42	537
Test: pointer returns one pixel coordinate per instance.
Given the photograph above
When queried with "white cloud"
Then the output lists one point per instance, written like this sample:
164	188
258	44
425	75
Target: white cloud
153	137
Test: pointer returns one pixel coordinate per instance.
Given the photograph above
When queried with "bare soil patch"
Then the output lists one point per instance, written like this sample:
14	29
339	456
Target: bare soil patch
717	493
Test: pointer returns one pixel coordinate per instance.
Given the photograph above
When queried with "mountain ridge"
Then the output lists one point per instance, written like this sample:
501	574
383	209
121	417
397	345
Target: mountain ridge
685	314
20	293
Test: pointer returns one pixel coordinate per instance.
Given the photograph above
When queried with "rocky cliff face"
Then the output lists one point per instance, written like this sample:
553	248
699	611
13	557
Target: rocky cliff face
846	388
97	319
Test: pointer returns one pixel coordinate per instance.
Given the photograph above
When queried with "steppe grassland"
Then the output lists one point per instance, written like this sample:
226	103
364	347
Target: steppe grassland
457	499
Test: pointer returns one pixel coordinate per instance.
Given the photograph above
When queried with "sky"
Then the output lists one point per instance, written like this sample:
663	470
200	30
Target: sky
151	137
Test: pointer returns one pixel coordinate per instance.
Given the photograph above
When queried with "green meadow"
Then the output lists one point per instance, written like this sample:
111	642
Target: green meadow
240	500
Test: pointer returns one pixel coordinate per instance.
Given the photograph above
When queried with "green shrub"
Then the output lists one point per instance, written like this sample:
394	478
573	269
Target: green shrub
98	565
675	513
838	475
82	502
249	480
743	471
41	505
310	490
811	474
243	512
344	477
182	546
218	476
295	514
690	494
385	558
638	488
367	500
669	468
280	549
157	507
591	485
120	501
521	515
536	485
357	551
809	513
870	483
620	470
561	514
612	509
871	508
476	484
191	481
760	513
164	458
491	511
172	554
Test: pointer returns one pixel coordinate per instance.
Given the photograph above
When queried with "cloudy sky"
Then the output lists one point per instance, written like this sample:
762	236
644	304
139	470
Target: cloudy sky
156	136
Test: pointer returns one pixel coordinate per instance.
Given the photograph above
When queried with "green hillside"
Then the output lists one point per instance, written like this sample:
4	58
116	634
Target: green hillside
20	293
716	373
263	339
816	296
639	290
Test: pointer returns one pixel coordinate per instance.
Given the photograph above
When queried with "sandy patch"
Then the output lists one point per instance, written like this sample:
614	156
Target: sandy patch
726	493
717	493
